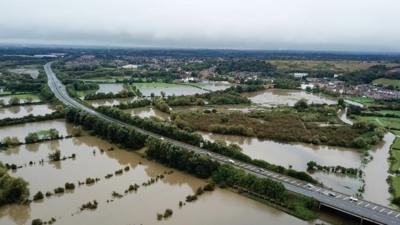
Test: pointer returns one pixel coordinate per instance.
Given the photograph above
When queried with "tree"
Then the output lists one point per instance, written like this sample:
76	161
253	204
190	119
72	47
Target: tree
341	103
32	138
29	99
301	105
13	101
53	134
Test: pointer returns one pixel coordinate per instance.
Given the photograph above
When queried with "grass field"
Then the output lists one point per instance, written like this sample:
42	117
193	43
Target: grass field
390	123
396	144
384	112
387	82
396	186
362	100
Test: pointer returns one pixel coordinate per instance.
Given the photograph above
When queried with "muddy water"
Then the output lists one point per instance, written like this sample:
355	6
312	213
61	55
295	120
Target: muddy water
297	156
106	88
21	111
274	97
22	130
146	112
220	207
376	188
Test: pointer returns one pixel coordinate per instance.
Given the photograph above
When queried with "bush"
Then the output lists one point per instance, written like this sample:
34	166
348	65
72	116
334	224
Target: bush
12	190
37	222
59	190
69	186
38	196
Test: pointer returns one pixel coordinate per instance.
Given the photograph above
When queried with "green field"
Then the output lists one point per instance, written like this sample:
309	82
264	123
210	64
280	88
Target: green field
362	100
387	82
396	132
384	112
396	144
390	123
396	186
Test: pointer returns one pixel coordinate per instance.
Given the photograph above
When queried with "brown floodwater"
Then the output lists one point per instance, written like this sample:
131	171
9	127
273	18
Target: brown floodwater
218	207
274	97
22	130
297	155
21	111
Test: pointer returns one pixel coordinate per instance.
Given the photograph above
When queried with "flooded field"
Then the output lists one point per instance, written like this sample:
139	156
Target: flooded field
168	89
31	71
22	98
109	102
22	130
213	85
146	112
221	206
106	88
297	156
274	97
21	111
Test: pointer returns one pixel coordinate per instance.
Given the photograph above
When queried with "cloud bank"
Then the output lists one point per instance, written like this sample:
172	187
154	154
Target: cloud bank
356	25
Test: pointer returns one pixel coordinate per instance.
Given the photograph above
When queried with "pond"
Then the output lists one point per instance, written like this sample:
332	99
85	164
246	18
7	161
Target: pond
275	97
21	111
221	206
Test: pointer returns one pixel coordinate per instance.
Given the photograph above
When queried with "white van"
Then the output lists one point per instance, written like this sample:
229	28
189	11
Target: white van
231	161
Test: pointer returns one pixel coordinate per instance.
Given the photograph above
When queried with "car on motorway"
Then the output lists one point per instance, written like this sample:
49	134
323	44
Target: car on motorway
231	161
331	194
352	199
209	154
162	138
260	170
309	186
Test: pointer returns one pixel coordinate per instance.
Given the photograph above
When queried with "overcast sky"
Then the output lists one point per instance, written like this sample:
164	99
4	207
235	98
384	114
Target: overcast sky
367	25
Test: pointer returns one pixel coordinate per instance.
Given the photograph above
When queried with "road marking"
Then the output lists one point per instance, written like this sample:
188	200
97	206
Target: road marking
398	215
339	196
346	198
390	212
360	203
318	189
374	207
382	210
366	205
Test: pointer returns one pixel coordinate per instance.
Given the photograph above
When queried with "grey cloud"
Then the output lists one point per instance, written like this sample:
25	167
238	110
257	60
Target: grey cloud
368	25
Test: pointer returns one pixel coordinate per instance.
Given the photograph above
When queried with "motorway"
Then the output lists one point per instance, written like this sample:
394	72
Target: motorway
366	210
